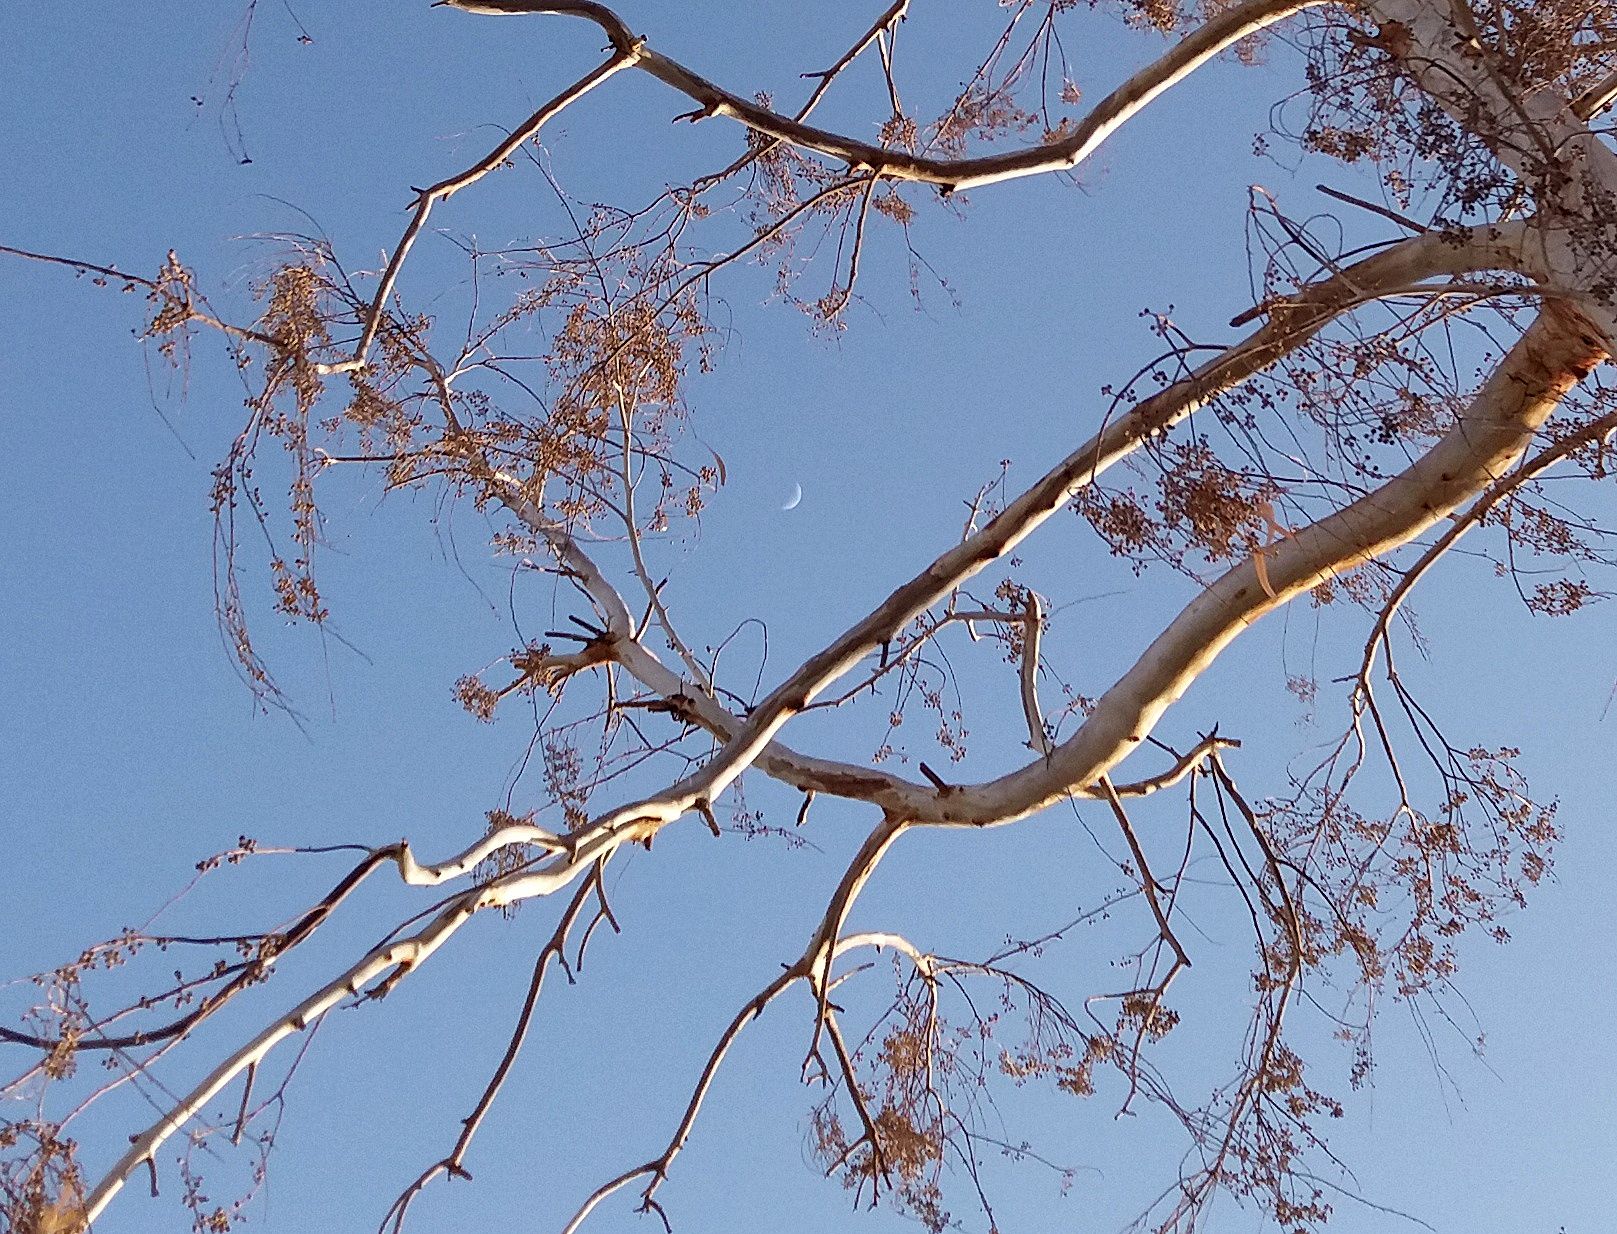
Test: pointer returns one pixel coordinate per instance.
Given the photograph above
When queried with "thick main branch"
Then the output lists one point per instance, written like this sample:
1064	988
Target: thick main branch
1557	352
752	740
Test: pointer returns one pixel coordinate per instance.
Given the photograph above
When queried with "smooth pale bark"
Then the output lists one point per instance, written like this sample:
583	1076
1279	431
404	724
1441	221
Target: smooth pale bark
411	952
1556	353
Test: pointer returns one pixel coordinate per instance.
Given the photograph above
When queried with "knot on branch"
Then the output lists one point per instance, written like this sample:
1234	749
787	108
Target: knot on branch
681	707
541	668
1394	38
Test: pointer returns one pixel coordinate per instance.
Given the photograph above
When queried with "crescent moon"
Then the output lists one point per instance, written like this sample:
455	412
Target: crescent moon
797	496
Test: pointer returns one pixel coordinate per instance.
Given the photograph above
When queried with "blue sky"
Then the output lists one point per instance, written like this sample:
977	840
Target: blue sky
130	750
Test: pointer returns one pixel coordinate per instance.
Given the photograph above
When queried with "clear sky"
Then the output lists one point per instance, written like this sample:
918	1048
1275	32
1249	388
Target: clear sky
129	750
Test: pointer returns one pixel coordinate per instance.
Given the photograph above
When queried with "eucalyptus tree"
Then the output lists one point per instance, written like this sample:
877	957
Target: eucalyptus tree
1378	403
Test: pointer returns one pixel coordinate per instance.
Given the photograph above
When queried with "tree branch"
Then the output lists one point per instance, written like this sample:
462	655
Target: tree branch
1557	352
951	175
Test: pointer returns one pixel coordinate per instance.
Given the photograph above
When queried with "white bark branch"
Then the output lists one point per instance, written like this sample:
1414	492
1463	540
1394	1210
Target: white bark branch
751	740
1509	409
464	862
407	952
1183	59
1557	352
